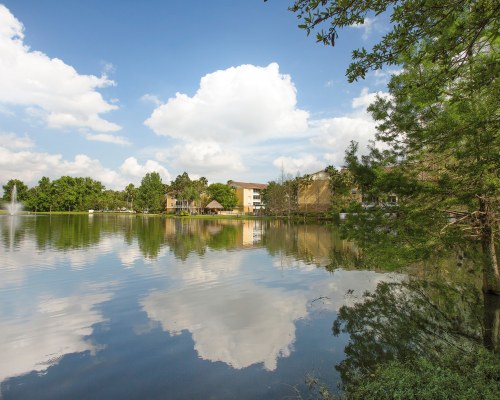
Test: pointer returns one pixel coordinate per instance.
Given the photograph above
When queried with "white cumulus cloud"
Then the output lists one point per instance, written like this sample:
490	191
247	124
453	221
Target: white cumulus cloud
232	110
209	306
338	132
206	157
18	160
64	98
58	326
131	167
247	102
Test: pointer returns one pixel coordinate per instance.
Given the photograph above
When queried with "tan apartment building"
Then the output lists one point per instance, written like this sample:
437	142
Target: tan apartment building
315	194
173	205
249	196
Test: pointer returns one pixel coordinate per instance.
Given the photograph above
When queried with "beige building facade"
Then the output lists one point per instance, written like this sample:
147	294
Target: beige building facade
249	196
173	205
314	194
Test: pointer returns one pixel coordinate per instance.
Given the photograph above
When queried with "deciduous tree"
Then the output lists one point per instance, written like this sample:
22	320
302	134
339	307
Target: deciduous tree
224	194
151	192
21	188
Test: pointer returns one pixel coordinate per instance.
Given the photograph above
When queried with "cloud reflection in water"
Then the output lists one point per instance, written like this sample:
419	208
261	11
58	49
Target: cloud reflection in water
58	326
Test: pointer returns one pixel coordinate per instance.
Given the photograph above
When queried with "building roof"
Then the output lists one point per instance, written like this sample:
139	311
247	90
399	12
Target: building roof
248	185
319	175
214	204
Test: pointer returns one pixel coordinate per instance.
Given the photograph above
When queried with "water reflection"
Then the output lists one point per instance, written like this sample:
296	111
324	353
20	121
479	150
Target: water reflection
252	322
238	289
317	244
50	328
186	237
10	232
247	321
419	327
239	326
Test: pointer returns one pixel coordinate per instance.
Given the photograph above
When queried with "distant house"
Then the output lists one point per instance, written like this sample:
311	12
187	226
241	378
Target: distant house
249	196
175	206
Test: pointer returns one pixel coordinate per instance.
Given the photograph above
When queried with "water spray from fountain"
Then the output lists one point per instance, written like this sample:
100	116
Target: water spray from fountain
14	206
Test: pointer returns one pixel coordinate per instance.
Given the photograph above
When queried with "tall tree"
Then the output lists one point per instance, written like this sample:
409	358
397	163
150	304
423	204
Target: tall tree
274	197
281	197
445	132
130	195
441	121
151	192
44	194
76	194
342	187
21	189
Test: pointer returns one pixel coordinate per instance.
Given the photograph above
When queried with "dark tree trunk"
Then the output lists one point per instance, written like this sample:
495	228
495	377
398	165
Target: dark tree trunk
491	273
491	336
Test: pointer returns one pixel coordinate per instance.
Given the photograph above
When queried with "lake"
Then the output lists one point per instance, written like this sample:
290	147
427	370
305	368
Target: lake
129	307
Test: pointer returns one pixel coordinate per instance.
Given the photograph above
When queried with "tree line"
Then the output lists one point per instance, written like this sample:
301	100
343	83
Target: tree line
84	193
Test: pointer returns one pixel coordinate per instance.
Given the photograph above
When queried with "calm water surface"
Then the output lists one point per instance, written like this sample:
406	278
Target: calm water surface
127	307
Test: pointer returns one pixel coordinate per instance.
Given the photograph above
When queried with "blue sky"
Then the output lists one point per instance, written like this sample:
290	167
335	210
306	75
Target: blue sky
224	89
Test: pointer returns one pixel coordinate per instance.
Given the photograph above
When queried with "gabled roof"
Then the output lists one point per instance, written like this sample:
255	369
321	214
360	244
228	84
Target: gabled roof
248	185
214	204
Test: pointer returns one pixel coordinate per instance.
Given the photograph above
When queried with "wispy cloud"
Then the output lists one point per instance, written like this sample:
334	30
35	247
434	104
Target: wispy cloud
368	27
382	77
299	165
107	138
151	98
12	141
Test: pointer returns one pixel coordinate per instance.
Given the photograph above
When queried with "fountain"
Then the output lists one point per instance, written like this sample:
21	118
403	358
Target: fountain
14	206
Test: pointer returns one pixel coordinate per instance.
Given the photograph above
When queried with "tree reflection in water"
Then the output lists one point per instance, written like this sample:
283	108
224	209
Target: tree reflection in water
420	339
